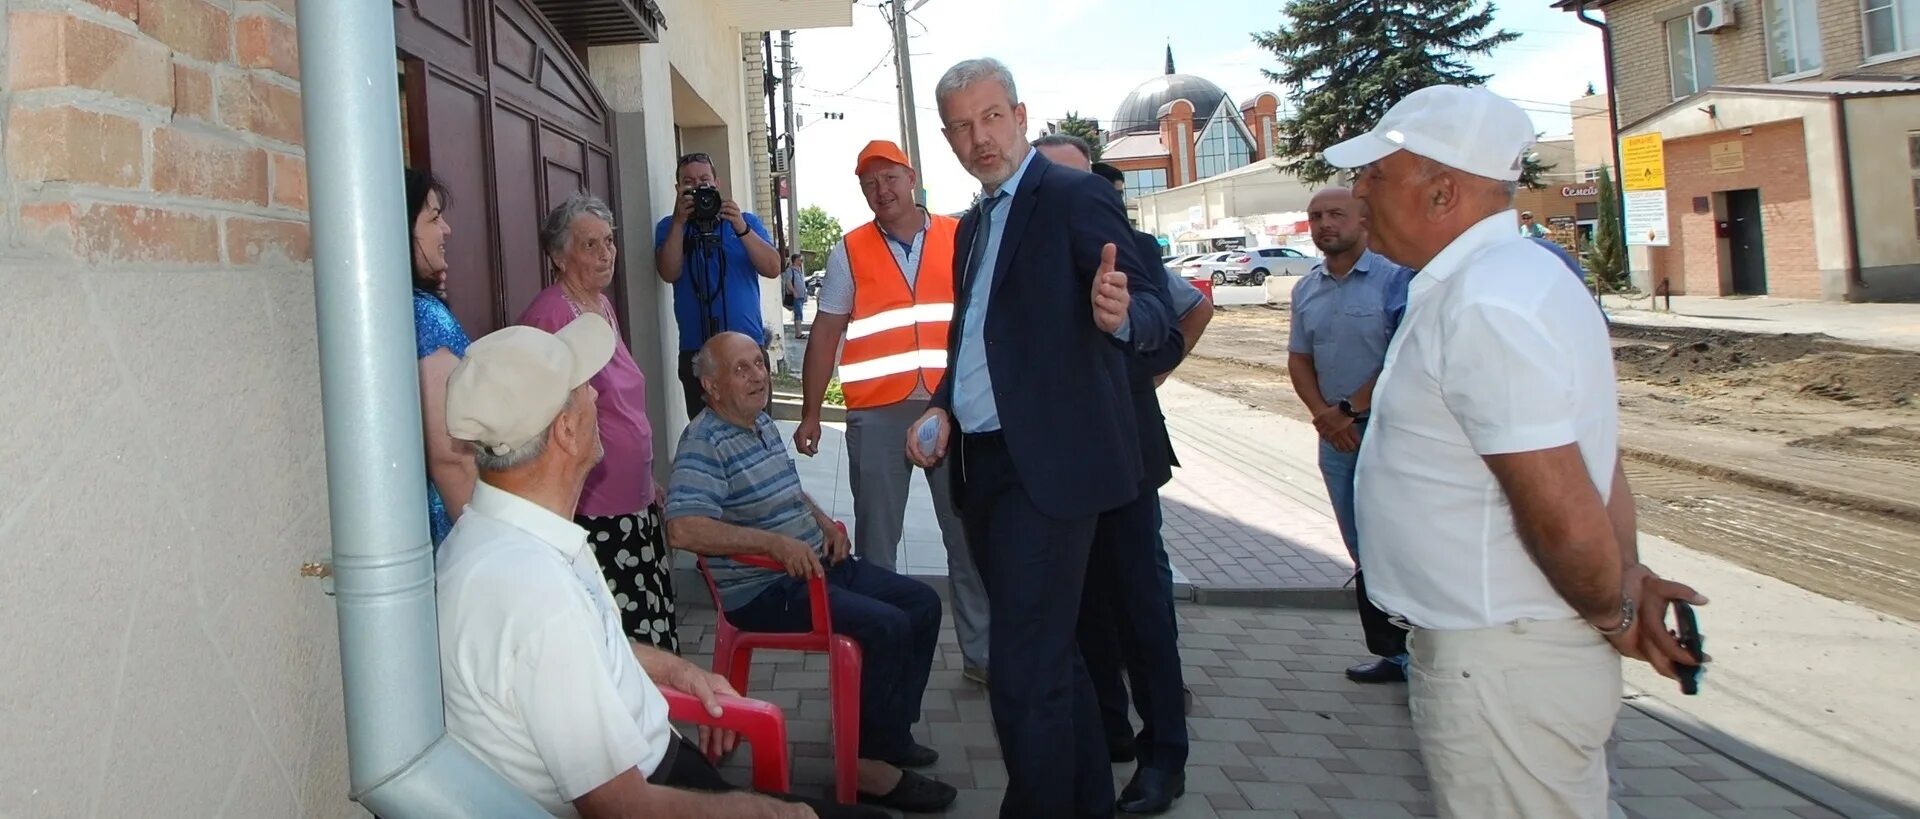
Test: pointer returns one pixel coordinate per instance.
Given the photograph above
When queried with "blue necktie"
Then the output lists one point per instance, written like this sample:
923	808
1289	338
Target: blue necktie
982	220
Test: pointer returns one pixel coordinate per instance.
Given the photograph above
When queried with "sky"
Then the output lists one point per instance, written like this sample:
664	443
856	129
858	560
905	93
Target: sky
1084	56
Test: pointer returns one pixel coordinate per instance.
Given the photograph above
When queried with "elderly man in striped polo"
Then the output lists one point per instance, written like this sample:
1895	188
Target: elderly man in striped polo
888	292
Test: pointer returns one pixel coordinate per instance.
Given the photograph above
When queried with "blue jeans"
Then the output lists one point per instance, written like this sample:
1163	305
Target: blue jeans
1383	638
1337	469
896	621
799	311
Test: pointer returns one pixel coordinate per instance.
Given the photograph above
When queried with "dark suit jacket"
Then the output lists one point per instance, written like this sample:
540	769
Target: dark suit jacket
1156	446
1062	386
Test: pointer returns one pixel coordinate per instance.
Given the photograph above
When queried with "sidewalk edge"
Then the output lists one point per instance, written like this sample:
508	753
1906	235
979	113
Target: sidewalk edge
1808	785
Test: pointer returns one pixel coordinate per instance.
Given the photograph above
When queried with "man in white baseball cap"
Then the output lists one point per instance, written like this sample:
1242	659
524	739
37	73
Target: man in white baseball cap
1496	519
539	678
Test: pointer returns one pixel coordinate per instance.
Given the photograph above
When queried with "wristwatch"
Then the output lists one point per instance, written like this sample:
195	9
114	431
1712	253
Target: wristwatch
742	234
1628	611
1346	408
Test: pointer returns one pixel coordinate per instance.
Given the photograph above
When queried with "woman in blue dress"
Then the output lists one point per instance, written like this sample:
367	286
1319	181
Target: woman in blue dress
440	343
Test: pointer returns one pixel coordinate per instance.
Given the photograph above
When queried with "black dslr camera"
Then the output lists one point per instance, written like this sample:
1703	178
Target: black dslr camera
706	209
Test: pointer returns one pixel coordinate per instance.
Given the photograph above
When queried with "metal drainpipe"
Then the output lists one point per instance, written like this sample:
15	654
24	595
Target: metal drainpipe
1613	126
401	762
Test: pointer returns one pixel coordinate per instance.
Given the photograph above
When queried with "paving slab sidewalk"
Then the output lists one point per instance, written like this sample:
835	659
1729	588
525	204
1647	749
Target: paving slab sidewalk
1895	326
1277	732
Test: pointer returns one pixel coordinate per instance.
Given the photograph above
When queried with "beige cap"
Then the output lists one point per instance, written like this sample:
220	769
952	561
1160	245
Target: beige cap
515	381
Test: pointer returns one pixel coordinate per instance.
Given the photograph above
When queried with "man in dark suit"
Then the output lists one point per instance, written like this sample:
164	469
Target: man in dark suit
1127	620
1052	300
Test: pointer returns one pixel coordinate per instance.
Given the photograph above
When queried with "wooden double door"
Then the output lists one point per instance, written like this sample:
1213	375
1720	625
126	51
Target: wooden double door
501	109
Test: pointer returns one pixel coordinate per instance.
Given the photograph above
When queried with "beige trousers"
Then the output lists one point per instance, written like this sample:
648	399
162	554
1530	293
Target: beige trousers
1513	721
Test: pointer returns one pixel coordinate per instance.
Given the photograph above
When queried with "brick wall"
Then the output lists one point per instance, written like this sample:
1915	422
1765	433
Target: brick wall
157	132
1740	53
1776	165
754	57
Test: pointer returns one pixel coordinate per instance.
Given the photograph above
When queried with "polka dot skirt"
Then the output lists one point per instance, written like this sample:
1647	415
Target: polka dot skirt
632	550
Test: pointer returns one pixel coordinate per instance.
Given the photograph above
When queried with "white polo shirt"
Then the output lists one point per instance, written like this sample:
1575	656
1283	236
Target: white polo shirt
538	678
1500	352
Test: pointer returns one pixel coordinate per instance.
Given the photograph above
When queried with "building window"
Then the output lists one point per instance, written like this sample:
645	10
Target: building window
1590	175
1913	166
1141	183
1222	148
1689	58
1893	26
1793	37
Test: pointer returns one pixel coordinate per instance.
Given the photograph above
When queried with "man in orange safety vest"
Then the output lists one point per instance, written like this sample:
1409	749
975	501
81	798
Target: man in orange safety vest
888	293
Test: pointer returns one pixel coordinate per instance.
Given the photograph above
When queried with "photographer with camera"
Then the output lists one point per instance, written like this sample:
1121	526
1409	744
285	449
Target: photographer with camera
714	255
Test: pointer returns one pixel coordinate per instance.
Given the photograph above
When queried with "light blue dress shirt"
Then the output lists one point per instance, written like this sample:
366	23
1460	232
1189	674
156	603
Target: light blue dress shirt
973	406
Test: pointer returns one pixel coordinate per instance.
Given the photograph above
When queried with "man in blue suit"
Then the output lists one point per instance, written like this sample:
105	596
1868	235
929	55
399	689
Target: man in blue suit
1052	300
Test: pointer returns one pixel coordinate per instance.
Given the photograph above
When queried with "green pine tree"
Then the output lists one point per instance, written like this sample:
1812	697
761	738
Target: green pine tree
1347	62
1606	255
1087	129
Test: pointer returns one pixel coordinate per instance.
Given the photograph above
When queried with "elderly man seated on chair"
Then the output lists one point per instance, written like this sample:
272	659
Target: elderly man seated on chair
734	491
540	680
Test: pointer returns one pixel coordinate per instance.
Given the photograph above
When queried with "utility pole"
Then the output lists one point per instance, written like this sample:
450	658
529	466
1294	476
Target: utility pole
793	167
909	115
773	137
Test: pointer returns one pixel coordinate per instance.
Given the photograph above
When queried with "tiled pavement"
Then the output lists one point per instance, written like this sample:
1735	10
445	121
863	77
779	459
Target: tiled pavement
1278	732
1245	510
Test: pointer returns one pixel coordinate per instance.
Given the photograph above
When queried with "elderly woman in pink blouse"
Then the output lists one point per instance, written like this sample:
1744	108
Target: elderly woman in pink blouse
620	505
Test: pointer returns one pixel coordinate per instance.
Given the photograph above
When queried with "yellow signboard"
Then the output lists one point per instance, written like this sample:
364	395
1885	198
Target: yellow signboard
1645	164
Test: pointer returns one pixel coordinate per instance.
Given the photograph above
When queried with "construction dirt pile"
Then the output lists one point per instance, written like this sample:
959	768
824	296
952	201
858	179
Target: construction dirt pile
1807	366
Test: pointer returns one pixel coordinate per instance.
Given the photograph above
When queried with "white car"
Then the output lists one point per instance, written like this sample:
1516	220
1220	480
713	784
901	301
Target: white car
1198	267
1253	266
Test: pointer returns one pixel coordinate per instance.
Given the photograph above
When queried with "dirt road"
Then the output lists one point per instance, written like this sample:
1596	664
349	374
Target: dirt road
1797	456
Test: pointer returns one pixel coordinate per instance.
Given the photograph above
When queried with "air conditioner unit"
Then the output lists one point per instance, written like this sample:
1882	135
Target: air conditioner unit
1711	17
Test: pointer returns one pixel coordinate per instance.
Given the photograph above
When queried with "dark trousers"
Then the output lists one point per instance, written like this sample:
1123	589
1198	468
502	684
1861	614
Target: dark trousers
1034	566
695	394
687	769
896	621
1337	468
1127	622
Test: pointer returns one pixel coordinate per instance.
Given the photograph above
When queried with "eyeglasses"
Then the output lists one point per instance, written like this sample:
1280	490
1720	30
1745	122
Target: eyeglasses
690	159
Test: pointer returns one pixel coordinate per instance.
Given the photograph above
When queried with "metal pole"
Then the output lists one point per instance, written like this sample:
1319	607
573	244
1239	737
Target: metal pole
773	139
793	164
909	115
1613	136
400	760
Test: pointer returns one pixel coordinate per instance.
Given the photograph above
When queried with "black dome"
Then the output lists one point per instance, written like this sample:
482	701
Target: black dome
1140	111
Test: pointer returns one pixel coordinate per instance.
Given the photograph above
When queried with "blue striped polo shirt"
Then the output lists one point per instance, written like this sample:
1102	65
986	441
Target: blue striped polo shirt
743	477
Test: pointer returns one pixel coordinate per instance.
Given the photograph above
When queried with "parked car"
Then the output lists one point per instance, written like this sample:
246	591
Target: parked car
1197	267
813	283
1255	265
1178	260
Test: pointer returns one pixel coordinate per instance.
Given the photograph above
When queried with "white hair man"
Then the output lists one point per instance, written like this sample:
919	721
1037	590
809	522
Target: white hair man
1491	503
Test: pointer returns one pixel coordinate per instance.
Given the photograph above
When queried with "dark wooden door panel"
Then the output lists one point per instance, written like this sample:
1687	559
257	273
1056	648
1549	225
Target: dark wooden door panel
458	147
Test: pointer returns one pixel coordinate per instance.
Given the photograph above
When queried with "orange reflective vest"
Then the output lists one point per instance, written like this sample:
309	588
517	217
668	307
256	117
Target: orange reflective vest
897	335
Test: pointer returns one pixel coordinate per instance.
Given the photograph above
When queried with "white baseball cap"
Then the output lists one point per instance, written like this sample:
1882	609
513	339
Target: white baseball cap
1468	129
516	380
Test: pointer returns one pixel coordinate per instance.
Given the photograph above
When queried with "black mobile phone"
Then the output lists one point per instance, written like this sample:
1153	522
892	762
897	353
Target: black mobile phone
1687	631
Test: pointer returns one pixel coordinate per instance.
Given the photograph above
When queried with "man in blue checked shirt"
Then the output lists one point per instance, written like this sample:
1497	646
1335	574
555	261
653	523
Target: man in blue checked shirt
1344	312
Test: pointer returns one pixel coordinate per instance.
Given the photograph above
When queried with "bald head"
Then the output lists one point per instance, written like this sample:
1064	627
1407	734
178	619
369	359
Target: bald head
1064	153
733	373
1338	222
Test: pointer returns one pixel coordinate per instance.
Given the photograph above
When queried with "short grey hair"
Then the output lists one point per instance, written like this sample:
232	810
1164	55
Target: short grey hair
703	362
485	460
1069	140
968	72
557	229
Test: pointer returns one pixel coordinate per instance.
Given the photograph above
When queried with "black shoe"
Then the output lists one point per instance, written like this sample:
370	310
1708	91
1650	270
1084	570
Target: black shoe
1378	671
1151	791
914	794
919	756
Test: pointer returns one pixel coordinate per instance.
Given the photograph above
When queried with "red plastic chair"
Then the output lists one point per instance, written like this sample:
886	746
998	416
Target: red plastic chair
733	656
760	723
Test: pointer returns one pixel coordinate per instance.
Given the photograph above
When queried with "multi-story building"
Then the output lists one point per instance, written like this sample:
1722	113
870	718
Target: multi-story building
164	479
1790	135
1176	129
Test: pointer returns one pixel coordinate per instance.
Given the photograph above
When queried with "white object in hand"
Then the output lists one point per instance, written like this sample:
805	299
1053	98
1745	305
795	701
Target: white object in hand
929	433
